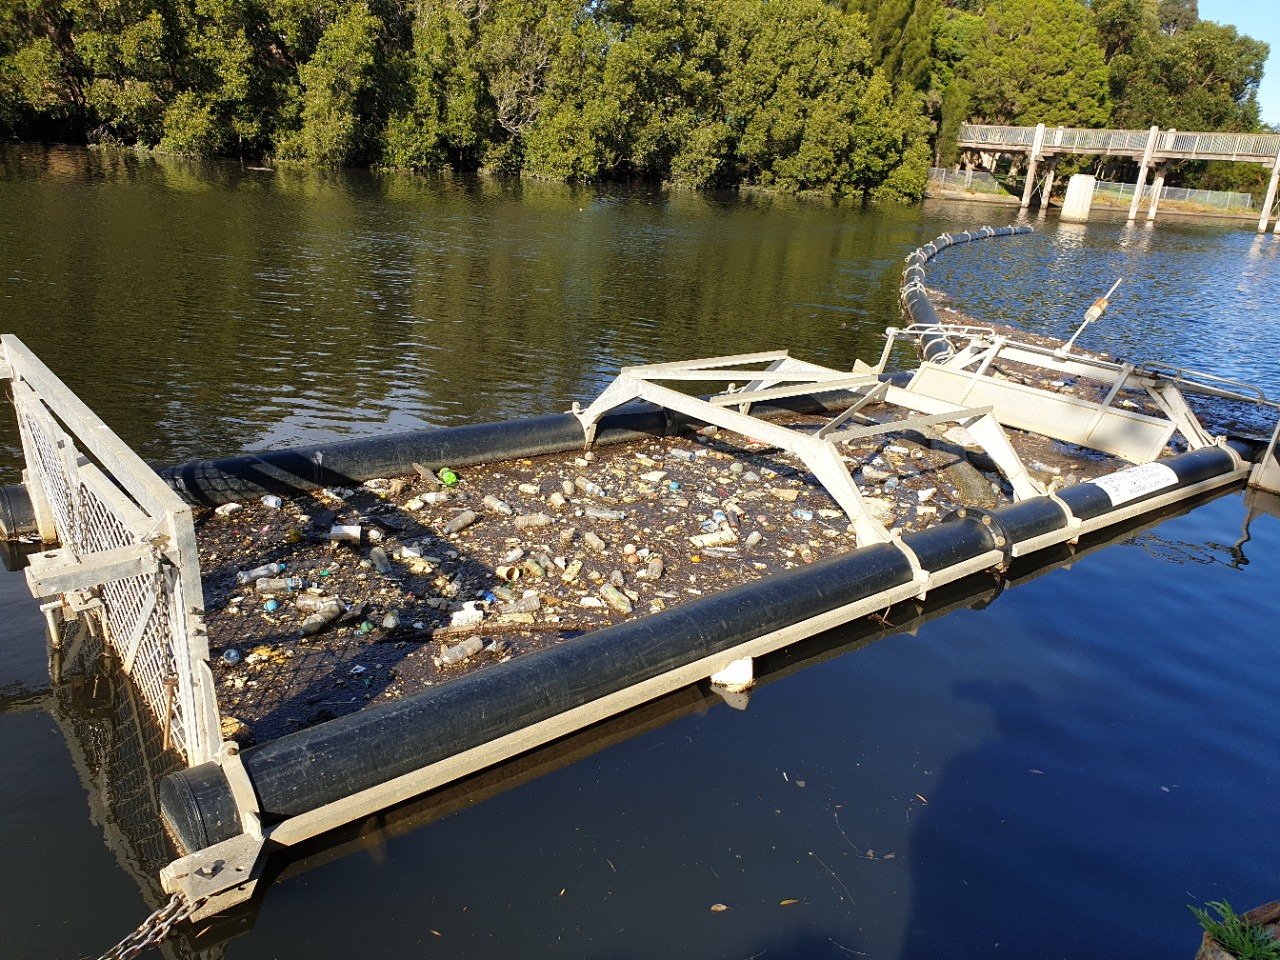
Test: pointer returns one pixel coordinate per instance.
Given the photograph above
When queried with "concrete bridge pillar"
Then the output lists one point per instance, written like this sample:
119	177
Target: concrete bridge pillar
1156	189
1271	196
1048	182
1142	173
1036	145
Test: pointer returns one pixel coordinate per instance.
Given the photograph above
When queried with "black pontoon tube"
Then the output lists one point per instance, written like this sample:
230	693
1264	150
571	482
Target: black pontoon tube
17	512
301	772
915	296
339	463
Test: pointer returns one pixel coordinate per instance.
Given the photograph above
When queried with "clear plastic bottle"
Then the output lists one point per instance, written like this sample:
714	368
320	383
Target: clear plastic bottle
325	615
279	585
531	521
381	562
266	570
589	487
615	598
461	520
497	506
455	654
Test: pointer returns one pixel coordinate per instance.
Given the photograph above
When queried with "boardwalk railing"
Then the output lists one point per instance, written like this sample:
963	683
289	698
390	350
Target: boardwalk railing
1249	147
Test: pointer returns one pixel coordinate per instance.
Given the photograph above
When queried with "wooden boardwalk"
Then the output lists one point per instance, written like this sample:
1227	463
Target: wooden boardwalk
1154	147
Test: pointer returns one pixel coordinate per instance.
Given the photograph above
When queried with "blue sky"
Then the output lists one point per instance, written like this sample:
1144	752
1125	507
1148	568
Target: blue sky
1261	20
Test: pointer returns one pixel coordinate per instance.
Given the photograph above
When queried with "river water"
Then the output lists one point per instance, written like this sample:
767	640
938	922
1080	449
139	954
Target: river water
1055	774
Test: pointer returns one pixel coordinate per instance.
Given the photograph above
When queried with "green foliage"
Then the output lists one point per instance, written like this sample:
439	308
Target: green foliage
1038	61
1234	934
336	81
1202	78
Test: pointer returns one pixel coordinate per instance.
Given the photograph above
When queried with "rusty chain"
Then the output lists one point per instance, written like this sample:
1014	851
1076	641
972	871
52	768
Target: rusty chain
153	930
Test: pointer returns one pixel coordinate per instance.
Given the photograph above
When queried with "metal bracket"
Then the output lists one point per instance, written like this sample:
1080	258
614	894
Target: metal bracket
218	877
999	533
246	798
60	571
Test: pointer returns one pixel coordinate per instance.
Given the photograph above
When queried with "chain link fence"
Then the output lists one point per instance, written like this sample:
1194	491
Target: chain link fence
964	181
1217	201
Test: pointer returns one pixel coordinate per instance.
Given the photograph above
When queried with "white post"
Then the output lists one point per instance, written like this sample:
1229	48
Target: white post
1032	160
1048	183
1271	195
1142	173
1156	189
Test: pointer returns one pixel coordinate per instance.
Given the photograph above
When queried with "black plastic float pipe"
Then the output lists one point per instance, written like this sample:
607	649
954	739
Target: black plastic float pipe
301	772
298	470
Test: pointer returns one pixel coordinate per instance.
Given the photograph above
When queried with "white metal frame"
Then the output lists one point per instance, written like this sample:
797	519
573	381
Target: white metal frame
817	450
126	558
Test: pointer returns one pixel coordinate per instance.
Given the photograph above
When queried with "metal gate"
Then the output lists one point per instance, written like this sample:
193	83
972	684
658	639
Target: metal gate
126	557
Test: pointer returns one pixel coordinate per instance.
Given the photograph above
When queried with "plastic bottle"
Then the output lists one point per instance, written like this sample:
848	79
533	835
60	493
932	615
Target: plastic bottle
754	538
391	621
529	603
595	543
603	513
272	502
312	601
459	652
567	487
266	570
231	656
685	455
461	520
497	506
447	476
654	570
534	569
556	500
325	615
615	598
589	487
381	562
571	571
531	521
278	585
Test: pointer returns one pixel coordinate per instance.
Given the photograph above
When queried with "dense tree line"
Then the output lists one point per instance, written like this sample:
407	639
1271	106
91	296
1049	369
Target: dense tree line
844	96
698	92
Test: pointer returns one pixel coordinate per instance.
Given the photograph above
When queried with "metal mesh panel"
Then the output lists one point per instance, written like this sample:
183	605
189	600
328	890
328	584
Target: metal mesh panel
49	468
93	513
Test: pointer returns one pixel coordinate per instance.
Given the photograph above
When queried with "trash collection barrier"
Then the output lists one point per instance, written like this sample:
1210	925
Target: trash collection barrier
303	771
298	470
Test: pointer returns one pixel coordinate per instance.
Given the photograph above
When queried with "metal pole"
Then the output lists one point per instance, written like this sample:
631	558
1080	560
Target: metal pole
1142	173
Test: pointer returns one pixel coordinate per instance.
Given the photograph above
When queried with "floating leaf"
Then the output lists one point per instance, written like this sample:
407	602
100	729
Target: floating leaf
787	903
718	908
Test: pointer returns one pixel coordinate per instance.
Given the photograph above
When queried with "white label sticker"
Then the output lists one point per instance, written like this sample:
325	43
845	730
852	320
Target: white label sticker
1136	482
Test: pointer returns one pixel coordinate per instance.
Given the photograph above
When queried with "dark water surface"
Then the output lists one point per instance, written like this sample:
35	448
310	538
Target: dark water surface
1055	775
